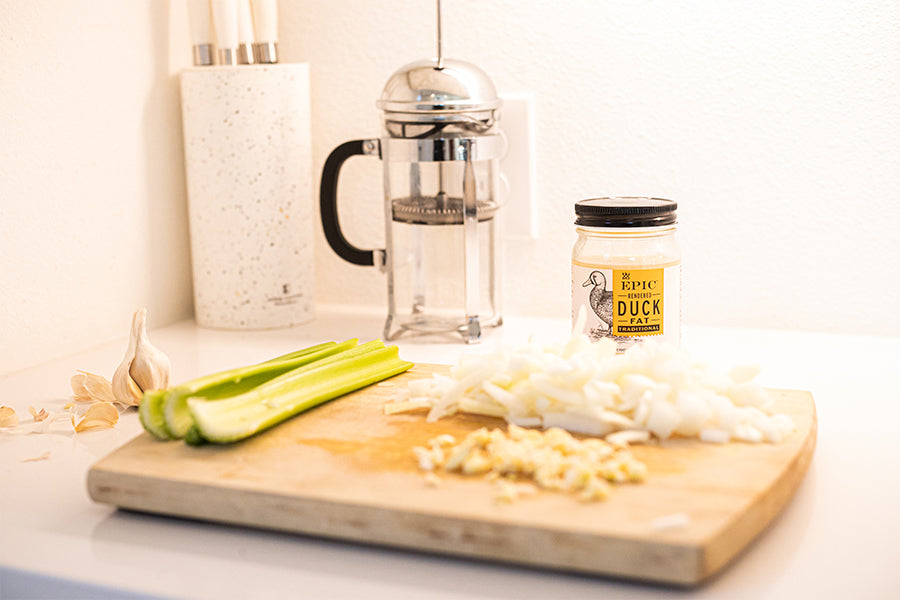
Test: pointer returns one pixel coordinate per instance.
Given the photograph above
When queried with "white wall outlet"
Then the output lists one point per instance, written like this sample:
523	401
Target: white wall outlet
517	166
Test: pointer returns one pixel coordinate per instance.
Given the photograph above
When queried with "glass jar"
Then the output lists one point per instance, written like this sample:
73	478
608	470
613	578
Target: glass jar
626	270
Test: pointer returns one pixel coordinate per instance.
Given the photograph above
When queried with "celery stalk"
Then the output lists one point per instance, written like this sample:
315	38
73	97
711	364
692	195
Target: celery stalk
301	371
247	414
234	382
150	412
165	415
298	353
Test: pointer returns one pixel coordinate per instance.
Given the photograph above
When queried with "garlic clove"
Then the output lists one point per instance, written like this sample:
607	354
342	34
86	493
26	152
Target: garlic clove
124	388
144	367
90	387
150	367
100	415
8	417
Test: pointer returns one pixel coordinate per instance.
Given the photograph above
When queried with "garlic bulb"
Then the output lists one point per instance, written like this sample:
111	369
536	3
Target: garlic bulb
144	367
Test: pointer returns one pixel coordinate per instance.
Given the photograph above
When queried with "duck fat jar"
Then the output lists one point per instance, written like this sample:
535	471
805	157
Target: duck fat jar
626	270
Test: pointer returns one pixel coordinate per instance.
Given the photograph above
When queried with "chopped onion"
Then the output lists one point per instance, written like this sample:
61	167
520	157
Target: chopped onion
588	388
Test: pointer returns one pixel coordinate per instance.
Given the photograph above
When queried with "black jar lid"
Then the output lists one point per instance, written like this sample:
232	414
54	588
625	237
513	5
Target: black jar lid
625	211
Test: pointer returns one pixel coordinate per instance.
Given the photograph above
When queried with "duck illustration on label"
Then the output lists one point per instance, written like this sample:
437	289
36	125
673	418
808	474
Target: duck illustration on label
601	303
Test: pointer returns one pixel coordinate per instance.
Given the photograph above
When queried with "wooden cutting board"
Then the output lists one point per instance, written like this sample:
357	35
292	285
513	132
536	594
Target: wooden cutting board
345	470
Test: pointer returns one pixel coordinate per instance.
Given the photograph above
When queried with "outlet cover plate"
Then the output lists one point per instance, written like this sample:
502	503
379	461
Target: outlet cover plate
517	166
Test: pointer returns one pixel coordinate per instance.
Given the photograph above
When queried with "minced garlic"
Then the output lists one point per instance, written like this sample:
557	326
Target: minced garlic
552	459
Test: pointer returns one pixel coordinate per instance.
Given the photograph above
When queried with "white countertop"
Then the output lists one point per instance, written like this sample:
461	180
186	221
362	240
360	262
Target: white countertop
836	539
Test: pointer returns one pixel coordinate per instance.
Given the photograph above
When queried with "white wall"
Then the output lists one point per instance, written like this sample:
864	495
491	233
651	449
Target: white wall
775	125
93	221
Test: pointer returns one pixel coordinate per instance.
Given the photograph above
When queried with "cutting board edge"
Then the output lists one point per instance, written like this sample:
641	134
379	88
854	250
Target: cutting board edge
679	564
725	546
695	565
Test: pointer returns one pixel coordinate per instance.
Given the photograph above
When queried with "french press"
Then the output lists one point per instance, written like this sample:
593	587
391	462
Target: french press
440	148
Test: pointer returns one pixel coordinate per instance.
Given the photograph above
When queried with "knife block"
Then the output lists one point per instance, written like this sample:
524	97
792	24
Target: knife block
248	164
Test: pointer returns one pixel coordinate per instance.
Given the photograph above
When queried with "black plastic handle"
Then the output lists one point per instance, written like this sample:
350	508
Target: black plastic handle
328	205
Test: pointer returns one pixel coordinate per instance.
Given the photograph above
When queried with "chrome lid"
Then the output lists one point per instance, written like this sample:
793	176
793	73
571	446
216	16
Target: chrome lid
422	87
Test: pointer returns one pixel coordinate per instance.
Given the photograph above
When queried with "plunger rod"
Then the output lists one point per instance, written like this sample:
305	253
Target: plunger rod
440	49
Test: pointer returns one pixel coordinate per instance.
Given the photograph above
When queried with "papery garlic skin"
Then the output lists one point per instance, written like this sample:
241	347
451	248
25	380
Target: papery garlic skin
90	387
8	417
144	367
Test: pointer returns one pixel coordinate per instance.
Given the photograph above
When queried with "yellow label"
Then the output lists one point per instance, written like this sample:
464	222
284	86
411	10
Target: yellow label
638	297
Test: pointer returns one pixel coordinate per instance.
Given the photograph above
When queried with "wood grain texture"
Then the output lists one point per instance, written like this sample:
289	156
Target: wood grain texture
345	470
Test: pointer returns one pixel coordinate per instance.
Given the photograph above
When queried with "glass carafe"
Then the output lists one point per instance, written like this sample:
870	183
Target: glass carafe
440	150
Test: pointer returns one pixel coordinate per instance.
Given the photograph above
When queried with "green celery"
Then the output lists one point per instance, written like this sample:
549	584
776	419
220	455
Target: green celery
151	415
299	353
164	412
234	382
247	414
301	371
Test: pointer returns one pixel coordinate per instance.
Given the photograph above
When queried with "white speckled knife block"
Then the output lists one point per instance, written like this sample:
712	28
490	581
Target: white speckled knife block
248	161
